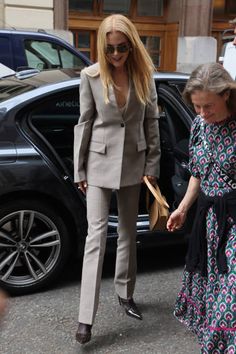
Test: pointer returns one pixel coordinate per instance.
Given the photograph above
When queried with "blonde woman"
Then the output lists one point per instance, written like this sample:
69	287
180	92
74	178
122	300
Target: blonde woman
116	144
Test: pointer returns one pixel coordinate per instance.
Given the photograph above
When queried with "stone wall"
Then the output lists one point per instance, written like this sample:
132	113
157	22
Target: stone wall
28	14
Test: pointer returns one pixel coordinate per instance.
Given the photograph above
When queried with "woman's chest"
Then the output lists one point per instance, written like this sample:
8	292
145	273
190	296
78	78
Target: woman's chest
216	144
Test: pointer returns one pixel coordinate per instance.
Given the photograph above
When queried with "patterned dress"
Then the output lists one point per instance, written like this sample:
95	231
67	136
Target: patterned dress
207	305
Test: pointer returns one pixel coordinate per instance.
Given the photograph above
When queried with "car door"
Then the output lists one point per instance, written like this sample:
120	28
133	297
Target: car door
175	123
48	124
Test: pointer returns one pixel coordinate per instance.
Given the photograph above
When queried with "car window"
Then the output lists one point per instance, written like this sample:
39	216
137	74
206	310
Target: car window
44	52
47	55
174	125
178	87
69	60
34	61
54	118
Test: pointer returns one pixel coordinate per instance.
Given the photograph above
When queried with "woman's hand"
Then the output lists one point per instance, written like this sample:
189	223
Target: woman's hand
82	186
176	220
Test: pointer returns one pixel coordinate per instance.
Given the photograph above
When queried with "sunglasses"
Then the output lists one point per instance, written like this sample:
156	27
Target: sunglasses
120	48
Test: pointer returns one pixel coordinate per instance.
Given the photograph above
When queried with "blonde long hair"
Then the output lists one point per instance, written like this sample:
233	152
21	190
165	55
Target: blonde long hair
139	64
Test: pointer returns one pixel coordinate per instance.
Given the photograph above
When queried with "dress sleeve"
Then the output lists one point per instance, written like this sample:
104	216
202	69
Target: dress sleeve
195	139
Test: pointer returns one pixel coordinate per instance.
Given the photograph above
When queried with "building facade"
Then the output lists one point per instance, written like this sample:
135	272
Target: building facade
160	23
26	14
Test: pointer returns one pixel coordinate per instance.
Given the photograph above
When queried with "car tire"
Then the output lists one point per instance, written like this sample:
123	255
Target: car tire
34	245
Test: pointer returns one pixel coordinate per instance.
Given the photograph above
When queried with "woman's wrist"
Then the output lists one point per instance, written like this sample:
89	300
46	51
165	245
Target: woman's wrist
183	209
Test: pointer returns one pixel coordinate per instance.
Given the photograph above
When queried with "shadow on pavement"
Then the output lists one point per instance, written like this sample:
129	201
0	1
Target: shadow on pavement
159	258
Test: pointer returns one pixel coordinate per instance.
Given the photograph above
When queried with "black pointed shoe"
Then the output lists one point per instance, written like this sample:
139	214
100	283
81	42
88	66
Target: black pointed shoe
130	308
83	334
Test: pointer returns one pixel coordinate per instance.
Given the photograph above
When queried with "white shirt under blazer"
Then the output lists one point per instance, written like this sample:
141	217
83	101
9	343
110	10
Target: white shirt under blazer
114	149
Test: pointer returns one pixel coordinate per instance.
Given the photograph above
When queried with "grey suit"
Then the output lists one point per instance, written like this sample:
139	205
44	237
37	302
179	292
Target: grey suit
112	151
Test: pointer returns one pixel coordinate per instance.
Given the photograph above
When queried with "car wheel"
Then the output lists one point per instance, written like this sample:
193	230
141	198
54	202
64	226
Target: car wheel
34	246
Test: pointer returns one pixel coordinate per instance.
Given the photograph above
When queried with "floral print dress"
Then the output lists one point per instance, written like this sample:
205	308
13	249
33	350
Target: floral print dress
207	305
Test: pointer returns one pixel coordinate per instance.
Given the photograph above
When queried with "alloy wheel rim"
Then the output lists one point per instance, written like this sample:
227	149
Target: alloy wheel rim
30	246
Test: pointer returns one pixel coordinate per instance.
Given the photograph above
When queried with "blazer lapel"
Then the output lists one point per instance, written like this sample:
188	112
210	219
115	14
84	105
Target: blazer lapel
112	97
131	102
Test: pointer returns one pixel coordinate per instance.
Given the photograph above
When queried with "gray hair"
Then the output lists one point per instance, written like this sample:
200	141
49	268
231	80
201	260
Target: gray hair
214	78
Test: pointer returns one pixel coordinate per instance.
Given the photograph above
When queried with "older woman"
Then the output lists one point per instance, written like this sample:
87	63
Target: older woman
206	302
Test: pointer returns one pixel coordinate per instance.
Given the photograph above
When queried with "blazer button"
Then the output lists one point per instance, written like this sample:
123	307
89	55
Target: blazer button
122	125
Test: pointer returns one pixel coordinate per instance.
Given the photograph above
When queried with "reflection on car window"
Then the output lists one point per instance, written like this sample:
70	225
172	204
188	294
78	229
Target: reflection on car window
34	61
69	60
63	104
44	52
10	88
47	55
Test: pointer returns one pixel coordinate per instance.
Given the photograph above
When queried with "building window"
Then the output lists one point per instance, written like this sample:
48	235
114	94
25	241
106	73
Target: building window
116	6
154	8
222	7
231	6
85	42
153	46
132	8
219	7
82	42
81	5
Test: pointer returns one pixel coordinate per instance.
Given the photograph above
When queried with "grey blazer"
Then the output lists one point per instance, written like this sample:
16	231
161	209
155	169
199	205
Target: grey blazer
112	150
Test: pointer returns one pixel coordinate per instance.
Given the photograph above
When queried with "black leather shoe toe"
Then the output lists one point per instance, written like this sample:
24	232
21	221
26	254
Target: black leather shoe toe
83	334
130	308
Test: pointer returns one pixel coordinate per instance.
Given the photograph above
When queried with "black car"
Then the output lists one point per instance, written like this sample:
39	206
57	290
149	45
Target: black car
42	212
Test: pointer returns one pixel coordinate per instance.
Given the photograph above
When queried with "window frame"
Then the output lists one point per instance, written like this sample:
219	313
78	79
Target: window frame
97	11
160	52
92	49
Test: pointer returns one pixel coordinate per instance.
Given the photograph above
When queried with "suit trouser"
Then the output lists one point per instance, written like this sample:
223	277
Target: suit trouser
98	202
